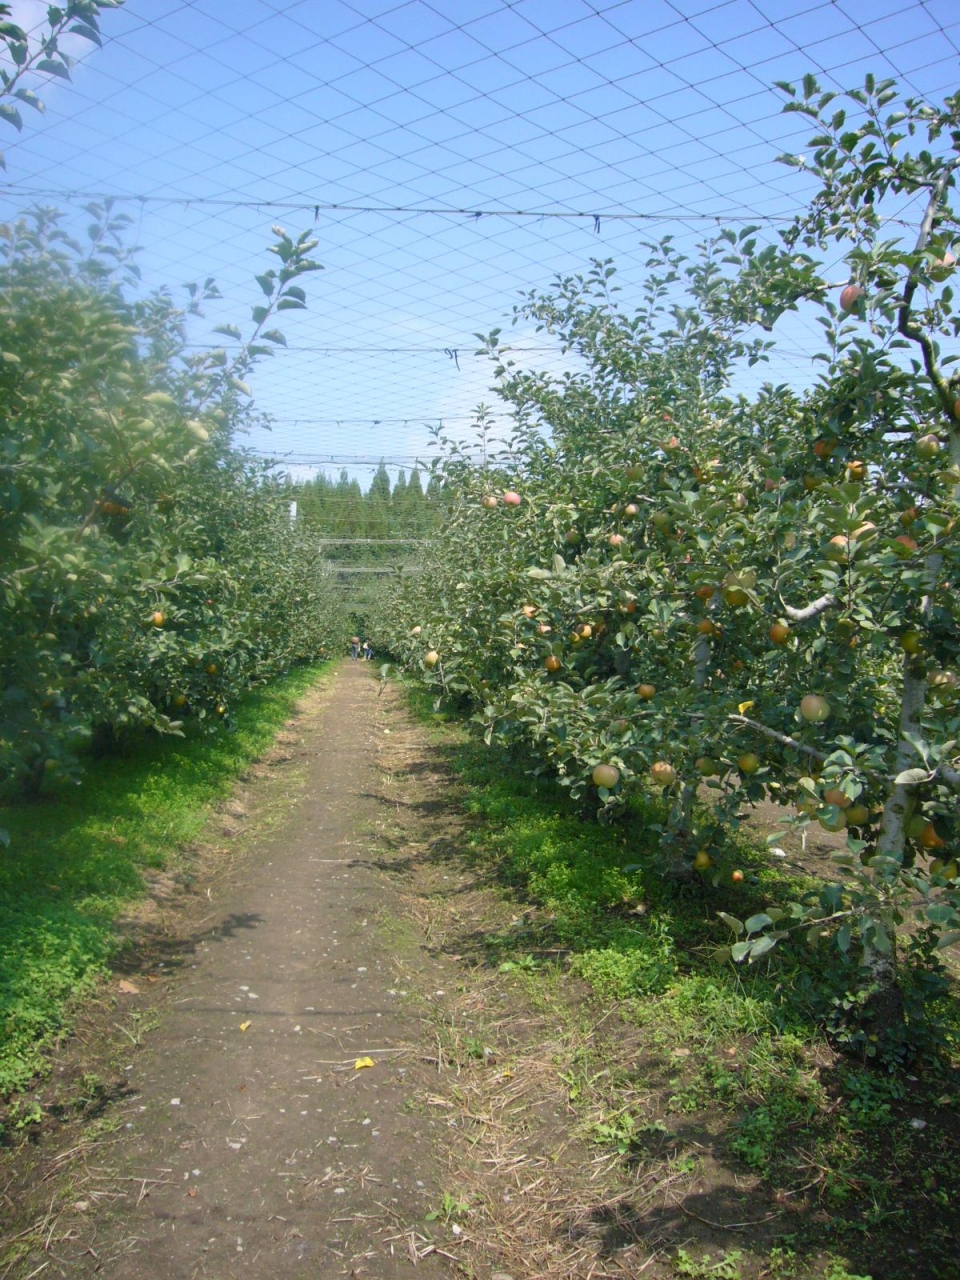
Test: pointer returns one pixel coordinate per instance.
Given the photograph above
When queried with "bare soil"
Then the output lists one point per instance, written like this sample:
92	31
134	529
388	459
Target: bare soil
261	1119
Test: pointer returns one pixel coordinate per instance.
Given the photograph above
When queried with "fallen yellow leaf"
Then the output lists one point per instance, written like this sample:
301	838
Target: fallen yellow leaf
244	1025
363	1062
744	707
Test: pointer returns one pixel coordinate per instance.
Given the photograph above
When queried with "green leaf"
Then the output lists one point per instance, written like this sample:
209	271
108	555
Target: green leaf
760	946
758	922
267	283
912	777
947	939
735	924
290	304
11	115
54	68
274	335
940	913
229	330
259	314
88	32
740	950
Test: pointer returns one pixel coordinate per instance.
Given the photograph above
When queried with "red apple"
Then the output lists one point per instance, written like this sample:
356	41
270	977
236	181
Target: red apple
850	296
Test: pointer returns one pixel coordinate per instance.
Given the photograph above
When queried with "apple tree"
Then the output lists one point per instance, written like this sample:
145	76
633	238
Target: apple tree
659	581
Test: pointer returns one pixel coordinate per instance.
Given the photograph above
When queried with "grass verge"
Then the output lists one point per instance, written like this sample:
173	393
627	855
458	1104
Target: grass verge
77	857
732	1086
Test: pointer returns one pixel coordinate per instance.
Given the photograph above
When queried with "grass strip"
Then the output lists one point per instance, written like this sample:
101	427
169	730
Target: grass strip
78	856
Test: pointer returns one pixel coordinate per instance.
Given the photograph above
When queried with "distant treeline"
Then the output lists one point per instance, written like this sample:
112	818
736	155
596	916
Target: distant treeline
340	509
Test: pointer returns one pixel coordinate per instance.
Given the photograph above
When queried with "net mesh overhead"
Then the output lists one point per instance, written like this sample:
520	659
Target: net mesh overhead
448	157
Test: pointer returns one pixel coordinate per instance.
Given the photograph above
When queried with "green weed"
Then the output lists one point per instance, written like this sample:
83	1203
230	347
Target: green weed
73	863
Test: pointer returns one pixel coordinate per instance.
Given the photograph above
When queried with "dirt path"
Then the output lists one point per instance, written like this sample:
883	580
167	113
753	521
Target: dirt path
247	1140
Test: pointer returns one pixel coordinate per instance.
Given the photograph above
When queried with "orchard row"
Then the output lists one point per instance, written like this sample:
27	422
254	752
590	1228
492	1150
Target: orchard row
661	583
150	573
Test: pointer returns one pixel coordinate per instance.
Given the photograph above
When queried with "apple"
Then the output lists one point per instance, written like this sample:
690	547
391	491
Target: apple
832	819
943	681
927	446
616	540
663	773
930	838
631	511
808	805
673	442
572	537
544	628
706	766
661	521
706	591
811	482
904	546
855	472
583	630
706	628
431	658
939	270
211	668
779	633
748	763
702	860
157	618
837	549
605	775
735	597
416	631
740	501
824	448
850	296
912	642
915	826
839	799
490	502
908	516
552	663
814	708
528	610
736	876
645	691
179	699
857	815
511	499
634	471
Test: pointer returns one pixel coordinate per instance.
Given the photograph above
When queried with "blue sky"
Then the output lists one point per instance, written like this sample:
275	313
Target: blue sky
211	121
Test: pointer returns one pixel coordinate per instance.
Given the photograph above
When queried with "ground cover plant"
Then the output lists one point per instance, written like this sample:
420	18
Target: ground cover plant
79	859
662	584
